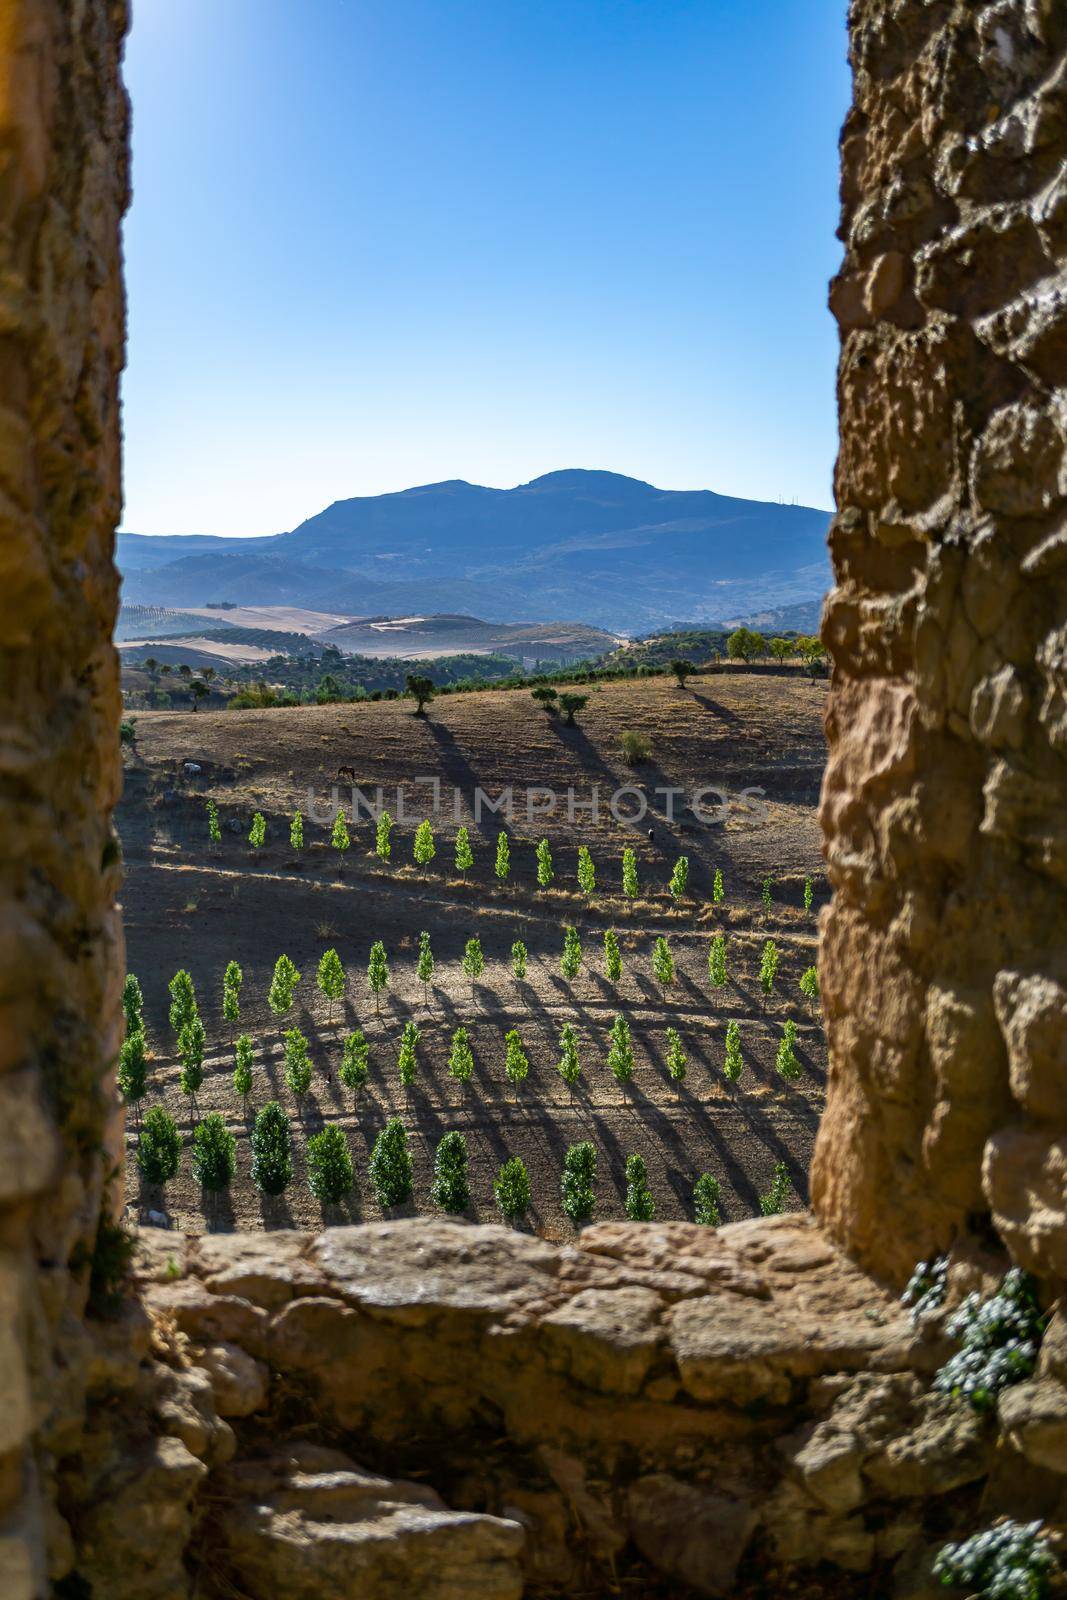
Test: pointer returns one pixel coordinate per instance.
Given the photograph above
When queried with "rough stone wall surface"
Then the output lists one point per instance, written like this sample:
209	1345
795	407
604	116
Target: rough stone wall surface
944	952
62	193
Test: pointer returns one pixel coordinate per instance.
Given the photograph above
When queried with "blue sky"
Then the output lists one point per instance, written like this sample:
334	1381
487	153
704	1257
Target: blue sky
375	243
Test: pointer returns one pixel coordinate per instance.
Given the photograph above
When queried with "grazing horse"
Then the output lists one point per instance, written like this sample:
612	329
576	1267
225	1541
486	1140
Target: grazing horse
347	772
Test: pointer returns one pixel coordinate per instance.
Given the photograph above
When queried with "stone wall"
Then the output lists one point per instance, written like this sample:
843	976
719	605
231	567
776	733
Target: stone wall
944	952
62	193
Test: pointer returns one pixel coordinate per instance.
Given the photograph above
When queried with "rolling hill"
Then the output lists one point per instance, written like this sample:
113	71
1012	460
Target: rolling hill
616	552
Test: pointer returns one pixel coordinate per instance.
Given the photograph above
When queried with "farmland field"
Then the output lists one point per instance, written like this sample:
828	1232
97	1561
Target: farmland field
189	904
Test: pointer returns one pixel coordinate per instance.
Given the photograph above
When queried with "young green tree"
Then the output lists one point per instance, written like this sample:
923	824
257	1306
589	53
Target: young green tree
339	836
383	844
545	697
706	1193
512	1189
451	1189
214	829
159	1146
329	1160
503	856
717	960
272	1150
331	980
662	963
390	1165
765	892
545	872
133	1067
297	1063
571	704
473	960
773	1202
569	1067
630	887
577	1193
282	986
191	1056
679	878
421	689
232	980
809	985
786	1061
744	645
242	1071
406	1061
296	831
461	1057
355	1057
734	1062
586	871
214	1154
781	649
518	960
768	966
621	1051
257	834
182	1000
718	890
612	958
424	969
640	1206
676	1057
516	1061
809	894
682	670
378	973
133	1004
464	854
424	847
571	960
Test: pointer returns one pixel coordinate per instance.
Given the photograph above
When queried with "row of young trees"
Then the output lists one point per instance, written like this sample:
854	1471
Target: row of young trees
331	1173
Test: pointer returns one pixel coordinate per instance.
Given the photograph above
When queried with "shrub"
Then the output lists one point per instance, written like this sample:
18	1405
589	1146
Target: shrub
717	960
424	969
676	1058
127	730
451	1185
571	960
503	856
473	959
1009	1561
355	1055
182	1000
925	1290
214	1153
679	878
297	1063
612	958
579	1175
383	844
512	1189
405	1061
464	854
662	963
768	967
331	980
390	1165
516	1062
774	1200
191	1055
424	848
586	871
786	1061
461	1057
544	865
809	894
765	892
570	1068
518	959
242	1072
809	985
718	890
329	1165
620	1052
159	1147
296	831
282	985
133	1067
734	1064
635	748
232	980
339	838
630	886
133	1004
257	834
272	1150
378	973
999	1339
706	1193
640	1206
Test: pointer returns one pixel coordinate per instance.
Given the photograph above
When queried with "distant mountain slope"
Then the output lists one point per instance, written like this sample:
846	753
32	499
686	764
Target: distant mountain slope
615	552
